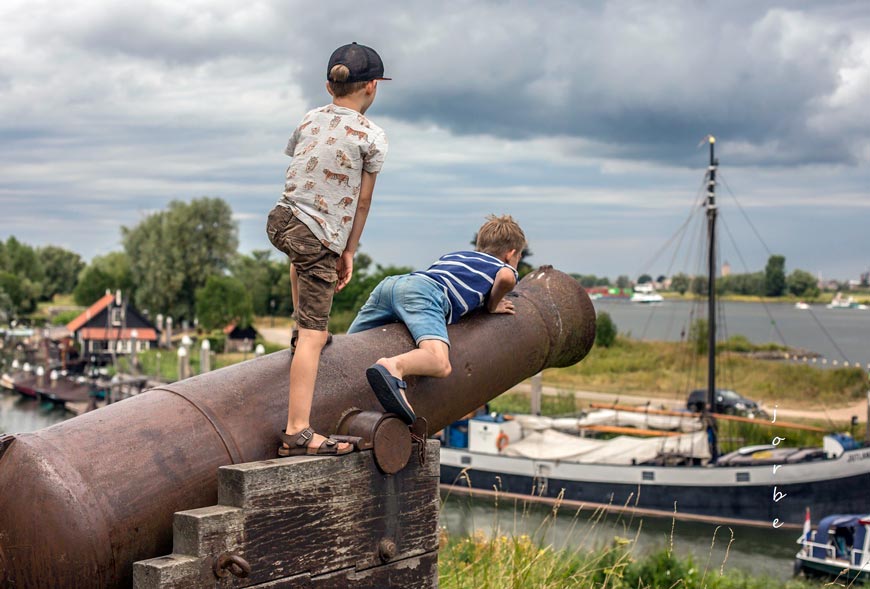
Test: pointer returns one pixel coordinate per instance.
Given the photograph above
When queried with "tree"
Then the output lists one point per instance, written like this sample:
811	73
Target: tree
644	278
105	273
605	330
223	300
623	281
699	285
262	276
802	284
680	283
173	253
774	276
62	268
10	284
7	309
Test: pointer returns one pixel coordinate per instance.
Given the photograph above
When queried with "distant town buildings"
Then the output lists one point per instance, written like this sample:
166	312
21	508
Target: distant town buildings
112	325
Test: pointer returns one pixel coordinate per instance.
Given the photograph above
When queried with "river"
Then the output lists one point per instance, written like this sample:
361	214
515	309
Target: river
849	329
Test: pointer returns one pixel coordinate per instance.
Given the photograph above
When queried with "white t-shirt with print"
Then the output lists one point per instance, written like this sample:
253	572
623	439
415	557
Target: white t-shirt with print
330	149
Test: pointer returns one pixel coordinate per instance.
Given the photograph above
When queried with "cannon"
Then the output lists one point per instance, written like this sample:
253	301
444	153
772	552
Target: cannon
82	500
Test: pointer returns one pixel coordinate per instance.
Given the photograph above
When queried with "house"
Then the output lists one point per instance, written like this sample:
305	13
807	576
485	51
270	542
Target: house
239	339
112	325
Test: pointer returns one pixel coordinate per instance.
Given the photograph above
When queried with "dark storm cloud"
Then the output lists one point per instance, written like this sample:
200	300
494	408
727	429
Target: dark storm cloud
642	79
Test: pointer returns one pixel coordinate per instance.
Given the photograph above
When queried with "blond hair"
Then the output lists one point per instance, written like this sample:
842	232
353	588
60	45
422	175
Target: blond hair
337	76
500	235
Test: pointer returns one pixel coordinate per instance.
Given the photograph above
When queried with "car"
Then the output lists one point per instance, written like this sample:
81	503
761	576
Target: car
726	401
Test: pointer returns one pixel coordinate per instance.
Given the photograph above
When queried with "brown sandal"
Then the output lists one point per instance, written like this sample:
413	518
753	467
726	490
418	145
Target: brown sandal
298	445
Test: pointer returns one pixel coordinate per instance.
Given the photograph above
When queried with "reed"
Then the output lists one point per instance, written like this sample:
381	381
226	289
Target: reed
510	557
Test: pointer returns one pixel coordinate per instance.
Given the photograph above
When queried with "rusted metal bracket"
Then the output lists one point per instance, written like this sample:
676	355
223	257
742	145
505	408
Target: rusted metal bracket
231	564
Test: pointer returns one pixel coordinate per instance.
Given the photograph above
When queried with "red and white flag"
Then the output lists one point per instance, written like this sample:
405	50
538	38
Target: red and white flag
807	527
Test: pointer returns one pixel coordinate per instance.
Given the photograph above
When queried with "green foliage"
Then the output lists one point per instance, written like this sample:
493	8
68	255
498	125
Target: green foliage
110	272
623	281
223	300
802	284
62	268
644	279
743	284
699	285
267	280
7	309
520	561
174	251
680	283
774	276
699	333
590	280
64	317
605	330
10	284
562	403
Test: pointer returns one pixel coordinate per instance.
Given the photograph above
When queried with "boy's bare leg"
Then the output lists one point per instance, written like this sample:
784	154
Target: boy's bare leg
431	358
303	373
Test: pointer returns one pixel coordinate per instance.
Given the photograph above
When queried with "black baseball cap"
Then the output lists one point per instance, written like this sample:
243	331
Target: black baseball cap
363	62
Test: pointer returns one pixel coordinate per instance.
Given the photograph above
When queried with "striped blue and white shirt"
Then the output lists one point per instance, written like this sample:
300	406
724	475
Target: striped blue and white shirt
467	278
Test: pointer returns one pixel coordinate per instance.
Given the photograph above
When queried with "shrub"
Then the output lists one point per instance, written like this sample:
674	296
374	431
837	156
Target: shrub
605	330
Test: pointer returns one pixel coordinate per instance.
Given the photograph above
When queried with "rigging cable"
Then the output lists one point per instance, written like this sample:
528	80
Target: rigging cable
681	232
813	315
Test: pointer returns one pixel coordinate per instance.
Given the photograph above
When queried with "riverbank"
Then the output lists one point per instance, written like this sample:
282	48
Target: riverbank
669	370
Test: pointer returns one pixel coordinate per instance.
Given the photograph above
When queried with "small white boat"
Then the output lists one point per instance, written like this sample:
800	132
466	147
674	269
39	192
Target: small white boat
837	548
801	305
645	293
841	302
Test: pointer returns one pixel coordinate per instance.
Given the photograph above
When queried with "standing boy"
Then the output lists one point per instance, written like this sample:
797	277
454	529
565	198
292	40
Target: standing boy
337	153
427	301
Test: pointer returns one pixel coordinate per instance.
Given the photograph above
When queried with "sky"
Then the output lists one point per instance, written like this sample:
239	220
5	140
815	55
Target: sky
583	120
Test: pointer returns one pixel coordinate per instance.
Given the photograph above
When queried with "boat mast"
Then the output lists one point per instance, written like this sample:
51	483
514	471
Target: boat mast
711	275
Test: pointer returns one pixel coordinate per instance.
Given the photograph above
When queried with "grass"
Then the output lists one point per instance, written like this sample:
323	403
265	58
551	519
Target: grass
168	361
666	369
509	559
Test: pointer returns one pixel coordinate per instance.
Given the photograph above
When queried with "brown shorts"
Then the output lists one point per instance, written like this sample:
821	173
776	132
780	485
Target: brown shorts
315	266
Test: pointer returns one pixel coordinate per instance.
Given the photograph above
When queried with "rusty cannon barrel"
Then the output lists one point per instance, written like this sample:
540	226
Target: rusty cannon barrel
82	500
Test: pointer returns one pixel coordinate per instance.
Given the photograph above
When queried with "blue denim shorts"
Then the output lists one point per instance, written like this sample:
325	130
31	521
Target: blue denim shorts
416	301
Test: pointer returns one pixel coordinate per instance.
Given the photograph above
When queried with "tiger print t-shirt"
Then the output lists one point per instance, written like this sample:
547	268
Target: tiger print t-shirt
330	149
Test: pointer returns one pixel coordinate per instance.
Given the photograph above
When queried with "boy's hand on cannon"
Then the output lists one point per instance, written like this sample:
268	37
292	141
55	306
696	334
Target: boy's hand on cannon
344	268
504	306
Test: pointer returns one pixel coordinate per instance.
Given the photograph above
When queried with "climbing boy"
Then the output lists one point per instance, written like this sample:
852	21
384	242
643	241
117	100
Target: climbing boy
337	153
428	301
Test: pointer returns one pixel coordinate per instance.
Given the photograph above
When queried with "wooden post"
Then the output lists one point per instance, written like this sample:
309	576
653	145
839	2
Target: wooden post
308	522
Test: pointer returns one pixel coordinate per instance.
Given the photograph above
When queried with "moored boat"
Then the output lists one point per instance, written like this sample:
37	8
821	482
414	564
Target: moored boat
673	471
839	547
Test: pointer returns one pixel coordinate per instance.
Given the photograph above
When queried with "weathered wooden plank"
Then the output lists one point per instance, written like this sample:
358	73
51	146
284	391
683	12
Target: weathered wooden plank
175	571
342	510
418	572
208	530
